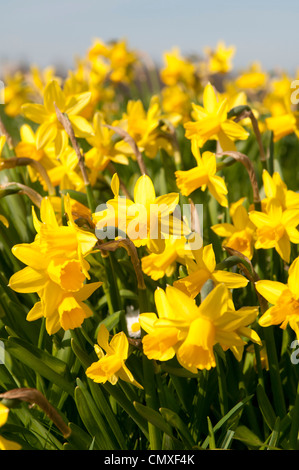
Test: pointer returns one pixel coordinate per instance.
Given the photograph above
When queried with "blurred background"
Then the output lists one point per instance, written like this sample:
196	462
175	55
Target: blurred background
53	33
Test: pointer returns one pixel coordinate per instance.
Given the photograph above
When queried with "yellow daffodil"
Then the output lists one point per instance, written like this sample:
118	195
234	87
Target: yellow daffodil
282	125
283	120
211	122
239	234
203	268
176	103
276	228
56	270
190	332
219	60
115	58
16	93
40	78
177	69
50	130
142	126
146	220
252	79
278	98
158	265
202	176
275	187
66	173
5	444
27	148
103	150
284	299
111	366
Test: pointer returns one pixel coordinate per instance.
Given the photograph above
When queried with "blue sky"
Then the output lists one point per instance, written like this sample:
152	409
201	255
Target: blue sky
53	32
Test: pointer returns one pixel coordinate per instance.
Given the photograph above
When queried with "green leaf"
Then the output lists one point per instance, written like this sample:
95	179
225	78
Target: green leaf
230	415
93	419
105	408
40	362
175	421
212	443
245	435
265	407
155	419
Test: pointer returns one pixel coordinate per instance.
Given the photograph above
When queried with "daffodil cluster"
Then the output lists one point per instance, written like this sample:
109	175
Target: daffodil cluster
134	162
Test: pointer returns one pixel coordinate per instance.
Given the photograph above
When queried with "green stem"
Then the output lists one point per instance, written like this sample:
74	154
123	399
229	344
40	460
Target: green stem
222	386
277	389
151	400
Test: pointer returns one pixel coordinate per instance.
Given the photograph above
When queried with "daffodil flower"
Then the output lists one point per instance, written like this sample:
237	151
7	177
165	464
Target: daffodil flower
56	270
275	187
111	366
66	173
177	69
143	126
146	220
103	150
239	234
220	58
284	299
211	122
202	176
252	79
50	130
158	265
203	268
276	228
190	332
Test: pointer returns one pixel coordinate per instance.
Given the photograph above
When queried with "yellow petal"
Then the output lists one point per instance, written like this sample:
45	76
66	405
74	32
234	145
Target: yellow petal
144	191
81	127
283	247
53	94
120	345
36	312
147	320
218	189
4	411
293	280
210	99
115	184
270	290
4	221
191	285
215	303
159	345
28	280
183	307
45	134
35	112
208	256
224	230
231	280
77	103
